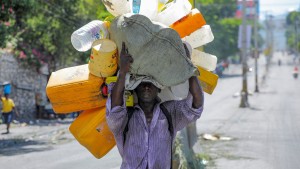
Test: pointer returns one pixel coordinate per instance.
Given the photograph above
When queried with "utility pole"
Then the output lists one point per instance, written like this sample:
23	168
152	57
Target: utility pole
244	93
269	41
296	37
255	45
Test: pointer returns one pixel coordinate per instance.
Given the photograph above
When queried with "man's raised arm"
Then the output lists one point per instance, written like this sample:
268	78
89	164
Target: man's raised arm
118	89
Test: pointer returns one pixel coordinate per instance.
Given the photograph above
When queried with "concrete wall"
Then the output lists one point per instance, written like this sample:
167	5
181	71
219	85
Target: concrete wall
26	82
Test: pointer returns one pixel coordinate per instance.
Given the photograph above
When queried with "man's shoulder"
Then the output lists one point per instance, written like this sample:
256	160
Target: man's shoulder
11	101
168	103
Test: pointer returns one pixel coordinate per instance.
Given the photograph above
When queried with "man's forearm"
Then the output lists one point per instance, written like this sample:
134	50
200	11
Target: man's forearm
118	91
196	91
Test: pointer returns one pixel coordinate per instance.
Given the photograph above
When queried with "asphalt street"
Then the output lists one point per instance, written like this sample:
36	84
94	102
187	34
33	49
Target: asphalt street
264	136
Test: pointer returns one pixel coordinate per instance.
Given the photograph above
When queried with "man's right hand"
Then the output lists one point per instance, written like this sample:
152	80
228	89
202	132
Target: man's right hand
125	59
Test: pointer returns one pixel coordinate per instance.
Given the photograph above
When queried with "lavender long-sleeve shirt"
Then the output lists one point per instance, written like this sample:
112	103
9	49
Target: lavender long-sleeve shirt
149	145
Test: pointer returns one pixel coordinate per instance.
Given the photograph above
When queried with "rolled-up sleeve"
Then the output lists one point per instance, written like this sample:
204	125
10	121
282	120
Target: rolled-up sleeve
182	112
116	117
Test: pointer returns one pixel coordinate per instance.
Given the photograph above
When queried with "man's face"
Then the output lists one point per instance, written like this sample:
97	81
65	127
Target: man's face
146	92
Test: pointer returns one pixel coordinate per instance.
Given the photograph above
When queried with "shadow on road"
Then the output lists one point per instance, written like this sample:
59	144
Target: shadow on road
268	92
255	109
10	147
230	75
52	122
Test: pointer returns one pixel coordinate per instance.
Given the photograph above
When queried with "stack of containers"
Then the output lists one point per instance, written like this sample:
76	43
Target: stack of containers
83	88
192	28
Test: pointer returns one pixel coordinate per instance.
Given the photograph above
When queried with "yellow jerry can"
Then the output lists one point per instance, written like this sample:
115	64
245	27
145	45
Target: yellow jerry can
208	80
103	60
74	89
91	131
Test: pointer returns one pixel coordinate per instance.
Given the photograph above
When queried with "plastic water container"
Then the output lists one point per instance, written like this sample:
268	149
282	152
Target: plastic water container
103	60
200	37
7	88
136	4
161	4
204	60
147	8
188	24
91	130
118	7
208	80
83	38
174	11
63	87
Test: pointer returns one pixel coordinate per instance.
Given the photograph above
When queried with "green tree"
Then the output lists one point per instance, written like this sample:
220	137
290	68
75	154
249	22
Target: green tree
293	31
220	15
39	31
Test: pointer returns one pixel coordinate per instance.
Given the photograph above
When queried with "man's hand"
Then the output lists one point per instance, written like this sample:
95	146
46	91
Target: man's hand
125	59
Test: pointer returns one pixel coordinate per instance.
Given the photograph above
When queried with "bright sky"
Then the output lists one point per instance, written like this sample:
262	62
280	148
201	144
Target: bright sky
277	7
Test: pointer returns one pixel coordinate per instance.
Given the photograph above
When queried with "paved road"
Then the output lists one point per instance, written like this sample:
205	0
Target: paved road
49	145
266	135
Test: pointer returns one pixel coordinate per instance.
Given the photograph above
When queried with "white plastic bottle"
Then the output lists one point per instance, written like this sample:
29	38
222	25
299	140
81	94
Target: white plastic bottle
83	38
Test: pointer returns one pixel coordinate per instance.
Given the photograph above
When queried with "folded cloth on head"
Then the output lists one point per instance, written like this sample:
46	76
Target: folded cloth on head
156	49
177	92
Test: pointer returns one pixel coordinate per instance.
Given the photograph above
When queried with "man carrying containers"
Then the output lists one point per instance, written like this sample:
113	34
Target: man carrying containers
145	134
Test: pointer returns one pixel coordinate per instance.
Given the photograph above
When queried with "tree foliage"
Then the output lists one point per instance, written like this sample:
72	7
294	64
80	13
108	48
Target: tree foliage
293	31
220	15
39	31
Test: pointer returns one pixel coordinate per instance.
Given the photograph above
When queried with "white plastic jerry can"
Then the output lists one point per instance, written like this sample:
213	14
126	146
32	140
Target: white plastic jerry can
174	11
148	8
200	37
118	7
204	60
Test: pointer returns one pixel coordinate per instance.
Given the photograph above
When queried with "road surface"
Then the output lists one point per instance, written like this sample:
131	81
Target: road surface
266	135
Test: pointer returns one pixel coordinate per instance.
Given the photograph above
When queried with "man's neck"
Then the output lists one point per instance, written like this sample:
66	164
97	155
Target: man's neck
147	107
